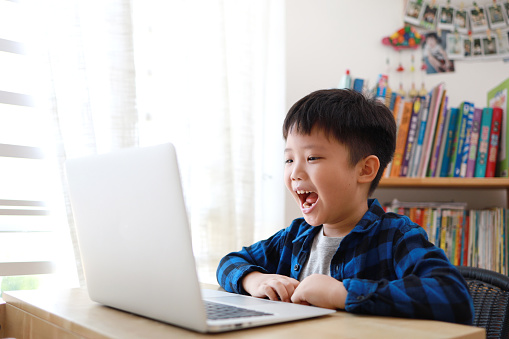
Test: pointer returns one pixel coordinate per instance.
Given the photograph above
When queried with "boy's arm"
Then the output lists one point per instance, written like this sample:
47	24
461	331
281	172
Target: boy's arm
263	256
428	286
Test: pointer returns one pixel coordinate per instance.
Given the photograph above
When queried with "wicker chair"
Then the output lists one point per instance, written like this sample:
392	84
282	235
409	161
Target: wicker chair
490	293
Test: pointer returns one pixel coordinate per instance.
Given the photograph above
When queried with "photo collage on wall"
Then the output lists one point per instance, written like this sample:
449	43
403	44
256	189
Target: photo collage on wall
467	33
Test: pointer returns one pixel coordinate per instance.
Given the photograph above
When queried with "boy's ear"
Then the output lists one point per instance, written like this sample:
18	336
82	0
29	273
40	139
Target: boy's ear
368	169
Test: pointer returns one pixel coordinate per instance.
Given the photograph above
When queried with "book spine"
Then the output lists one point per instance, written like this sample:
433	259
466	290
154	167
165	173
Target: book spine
459	140
420	138
466	143
448	139
401	139
474	142
484	141
499	97
397	112
496	123
430	130
410	142
438	138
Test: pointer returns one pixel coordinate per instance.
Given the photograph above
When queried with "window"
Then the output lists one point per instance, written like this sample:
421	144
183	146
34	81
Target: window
31	228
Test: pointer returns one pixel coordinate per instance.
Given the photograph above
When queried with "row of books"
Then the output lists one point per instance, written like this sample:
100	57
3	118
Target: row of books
478	238
434	140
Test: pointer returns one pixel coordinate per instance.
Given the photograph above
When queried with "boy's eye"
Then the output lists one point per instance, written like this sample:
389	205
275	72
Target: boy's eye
288	161
313	158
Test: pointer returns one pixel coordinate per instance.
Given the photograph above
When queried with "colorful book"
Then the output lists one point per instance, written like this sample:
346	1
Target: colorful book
411	137
423	119
474	142
496	124
446	148
459	138
396	112
498	97
358	85
434	108
406	114
466	142
484	141
437	138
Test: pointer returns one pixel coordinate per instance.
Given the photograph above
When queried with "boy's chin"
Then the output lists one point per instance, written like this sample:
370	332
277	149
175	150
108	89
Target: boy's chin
312	221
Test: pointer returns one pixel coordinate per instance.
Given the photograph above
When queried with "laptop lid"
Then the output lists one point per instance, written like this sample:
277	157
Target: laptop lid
135	241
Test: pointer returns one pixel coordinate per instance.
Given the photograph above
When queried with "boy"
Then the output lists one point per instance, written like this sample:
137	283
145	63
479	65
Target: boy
346	253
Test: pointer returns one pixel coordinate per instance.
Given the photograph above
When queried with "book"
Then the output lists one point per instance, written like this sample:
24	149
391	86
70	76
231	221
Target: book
396	112
437	138
459	138
411	137
446	148
358	85
497	97
474	142
434	107
423	118
466	142
496	124
484	141
401	137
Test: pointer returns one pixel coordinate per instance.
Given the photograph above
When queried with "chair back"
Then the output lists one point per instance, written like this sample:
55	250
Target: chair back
490	293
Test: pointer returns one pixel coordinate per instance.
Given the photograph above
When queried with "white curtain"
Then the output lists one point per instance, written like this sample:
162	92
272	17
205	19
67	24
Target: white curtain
205	75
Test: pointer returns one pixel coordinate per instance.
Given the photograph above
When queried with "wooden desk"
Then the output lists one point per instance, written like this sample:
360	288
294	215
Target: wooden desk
71	314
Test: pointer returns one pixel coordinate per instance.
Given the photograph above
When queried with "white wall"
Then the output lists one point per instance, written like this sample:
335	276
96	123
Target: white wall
326	37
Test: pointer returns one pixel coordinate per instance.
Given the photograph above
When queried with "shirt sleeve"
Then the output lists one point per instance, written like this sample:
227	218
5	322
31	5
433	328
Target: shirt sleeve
428	286
262	256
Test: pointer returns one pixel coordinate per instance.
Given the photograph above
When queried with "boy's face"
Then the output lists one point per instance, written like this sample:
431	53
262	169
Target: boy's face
322	180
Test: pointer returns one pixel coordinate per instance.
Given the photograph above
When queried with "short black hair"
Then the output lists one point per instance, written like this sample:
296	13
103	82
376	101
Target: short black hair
363	124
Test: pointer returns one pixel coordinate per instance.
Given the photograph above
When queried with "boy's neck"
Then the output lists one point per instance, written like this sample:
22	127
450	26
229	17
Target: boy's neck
344	227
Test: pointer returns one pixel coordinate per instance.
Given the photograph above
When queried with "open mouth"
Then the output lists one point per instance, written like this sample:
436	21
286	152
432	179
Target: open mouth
307	198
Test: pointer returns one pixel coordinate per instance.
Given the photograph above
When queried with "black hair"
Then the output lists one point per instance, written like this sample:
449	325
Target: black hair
363	124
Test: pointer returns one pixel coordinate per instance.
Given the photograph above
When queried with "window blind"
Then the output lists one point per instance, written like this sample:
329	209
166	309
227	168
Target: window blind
26	227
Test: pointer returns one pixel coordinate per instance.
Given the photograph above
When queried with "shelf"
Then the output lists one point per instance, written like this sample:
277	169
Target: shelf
456	183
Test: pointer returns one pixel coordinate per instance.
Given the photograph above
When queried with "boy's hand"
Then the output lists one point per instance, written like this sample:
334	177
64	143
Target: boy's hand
273	286
322	291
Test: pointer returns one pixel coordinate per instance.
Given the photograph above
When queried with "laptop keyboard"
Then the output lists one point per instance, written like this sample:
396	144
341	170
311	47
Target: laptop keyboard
216	311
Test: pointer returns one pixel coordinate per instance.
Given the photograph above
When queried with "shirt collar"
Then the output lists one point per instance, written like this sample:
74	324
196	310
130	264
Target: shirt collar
374	213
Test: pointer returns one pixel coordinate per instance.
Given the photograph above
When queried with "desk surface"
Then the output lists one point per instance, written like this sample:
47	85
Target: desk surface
72	313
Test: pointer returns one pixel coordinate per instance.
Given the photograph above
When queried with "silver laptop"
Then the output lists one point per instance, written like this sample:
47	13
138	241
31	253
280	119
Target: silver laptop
135	243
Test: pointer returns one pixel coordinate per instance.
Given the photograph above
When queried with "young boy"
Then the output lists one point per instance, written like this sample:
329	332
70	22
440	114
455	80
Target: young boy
346	253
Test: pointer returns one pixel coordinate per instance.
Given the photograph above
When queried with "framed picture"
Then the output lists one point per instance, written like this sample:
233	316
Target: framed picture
478	20
429	16
413	12
446	17
461	21
477	47
467	47
496	16
489	46
454	46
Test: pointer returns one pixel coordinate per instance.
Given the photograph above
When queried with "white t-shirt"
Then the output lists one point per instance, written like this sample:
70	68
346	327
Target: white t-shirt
322	251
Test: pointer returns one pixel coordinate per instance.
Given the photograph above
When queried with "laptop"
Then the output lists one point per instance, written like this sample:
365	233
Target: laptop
135	244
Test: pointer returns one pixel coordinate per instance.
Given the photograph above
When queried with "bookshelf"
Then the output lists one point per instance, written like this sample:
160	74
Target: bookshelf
447	183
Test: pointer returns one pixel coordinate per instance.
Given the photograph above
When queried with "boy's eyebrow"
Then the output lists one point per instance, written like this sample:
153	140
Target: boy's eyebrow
311	146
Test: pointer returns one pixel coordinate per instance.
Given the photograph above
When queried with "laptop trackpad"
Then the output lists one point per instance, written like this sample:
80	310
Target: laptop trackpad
232	298
239	300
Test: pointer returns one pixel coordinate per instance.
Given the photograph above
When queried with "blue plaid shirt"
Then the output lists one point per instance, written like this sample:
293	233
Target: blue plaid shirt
386	263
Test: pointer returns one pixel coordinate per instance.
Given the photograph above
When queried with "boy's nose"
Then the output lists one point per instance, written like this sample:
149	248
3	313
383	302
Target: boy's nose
296	174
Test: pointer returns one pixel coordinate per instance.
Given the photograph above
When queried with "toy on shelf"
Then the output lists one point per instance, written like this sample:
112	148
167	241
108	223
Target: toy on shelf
404	38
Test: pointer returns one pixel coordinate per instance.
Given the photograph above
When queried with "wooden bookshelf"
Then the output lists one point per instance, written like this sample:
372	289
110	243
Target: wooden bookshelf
448	183
452	183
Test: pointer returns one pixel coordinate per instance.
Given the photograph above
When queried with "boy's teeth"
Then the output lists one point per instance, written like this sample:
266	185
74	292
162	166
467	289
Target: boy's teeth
303	192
